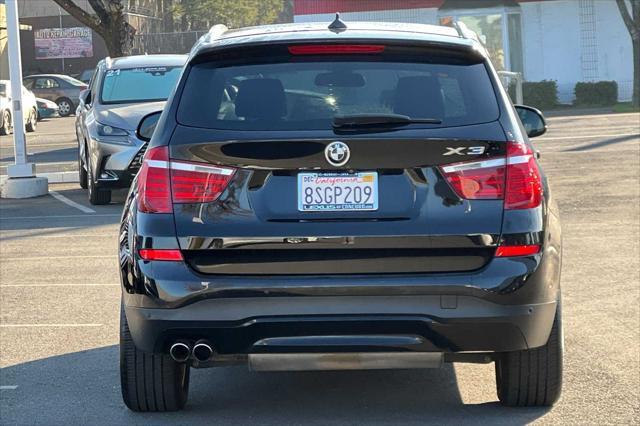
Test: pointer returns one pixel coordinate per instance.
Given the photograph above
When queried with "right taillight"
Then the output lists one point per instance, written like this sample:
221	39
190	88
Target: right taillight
524	183
163	182
516	178
514	251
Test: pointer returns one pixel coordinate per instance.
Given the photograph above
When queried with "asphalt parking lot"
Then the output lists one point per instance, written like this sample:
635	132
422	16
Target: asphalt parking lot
59	308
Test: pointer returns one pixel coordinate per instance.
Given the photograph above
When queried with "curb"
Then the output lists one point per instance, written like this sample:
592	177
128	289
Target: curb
55	177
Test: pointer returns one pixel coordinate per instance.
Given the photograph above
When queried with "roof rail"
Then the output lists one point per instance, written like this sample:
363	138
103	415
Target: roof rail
463	30
468	34
108	61
216	31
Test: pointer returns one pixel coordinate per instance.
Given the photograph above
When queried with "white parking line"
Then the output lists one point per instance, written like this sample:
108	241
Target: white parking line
557	138
8	387
63	216
71	203
70	235
60	285
56	163
38	145
97	256
48	325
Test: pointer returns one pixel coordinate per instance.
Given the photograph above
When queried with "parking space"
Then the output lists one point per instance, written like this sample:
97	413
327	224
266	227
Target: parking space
59	310
53	146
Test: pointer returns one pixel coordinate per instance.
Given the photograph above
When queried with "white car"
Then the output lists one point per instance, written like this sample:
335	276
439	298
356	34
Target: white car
30	109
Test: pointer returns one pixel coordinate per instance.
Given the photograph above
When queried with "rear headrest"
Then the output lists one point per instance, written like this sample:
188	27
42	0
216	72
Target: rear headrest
419	97
261	98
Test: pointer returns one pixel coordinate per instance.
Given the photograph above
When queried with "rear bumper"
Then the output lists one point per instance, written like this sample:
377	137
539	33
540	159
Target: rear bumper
348	323
507	305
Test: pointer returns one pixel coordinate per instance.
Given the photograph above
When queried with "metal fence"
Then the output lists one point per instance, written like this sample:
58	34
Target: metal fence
180	42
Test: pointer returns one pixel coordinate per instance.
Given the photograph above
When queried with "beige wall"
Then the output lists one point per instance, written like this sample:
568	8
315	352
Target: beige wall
4	48
35	9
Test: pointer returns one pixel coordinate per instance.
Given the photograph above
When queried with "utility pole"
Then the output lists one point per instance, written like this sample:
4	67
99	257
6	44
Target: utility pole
60	21
21	182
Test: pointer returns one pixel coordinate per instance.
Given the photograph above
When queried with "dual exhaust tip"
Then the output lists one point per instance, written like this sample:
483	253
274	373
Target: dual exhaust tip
202	351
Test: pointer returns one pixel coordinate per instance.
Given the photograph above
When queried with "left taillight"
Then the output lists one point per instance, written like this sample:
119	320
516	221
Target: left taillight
163	182
154	185
197	182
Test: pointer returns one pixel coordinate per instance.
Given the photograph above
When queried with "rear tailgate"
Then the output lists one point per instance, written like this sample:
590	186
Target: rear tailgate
418	224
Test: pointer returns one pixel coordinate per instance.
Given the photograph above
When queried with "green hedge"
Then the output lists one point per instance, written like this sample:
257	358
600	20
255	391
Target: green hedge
540	94
599	93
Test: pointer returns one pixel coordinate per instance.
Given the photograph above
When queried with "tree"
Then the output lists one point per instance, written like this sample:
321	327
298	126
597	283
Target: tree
203	14
632	21
109	22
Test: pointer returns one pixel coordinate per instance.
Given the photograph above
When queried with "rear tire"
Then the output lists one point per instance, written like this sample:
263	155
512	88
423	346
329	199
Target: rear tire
150	382
97	196
32	122
532	378
83	177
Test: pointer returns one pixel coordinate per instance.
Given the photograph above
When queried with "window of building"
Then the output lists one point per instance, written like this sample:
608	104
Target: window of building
498	28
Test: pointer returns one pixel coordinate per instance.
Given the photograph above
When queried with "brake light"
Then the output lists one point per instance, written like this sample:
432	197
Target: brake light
154	187
477	180
335	49
198	183
524	183
511	251
172	255
516	178
162	182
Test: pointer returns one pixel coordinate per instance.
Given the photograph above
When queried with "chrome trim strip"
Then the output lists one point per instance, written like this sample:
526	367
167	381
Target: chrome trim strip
344	361
496	162
519	159
157	164
201	168
174	165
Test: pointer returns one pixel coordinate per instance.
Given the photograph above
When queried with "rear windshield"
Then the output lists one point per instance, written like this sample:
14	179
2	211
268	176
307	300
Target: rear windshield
145	84
306	95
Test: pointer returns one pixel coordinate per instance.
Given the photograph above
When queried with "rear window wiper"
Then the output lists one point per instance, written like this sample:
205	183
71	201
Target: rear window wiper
374	120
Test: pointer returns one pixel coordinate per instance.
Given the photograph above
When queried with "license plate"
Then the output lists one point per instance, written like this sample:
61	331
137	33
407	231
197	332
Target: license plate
337	191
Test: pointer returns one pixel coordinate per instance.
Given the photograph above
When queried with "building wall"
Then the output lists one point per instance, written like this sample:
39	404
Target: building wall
39	8
563	40
31	65
551	44
141	14
4	47
415	16
615	54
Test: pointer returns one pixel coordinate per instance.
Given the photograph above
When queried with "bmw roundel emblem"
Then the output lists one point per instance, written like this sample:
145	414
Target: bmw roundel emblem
337	153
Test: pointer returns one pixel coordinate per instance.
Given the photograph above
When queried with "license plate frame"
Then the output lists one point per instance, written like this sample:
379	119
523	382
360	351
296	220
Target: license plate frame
336	180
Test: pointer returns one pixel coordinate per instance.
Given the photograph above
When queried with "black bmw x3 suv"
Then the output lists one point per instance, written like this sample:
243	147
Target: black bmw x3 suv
360	196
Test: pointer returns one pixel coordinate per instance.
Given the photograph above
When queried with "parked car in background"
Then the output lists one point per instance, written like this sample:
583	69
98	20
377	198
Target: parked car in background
122	91
29	107
59	88
46	108
85	76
